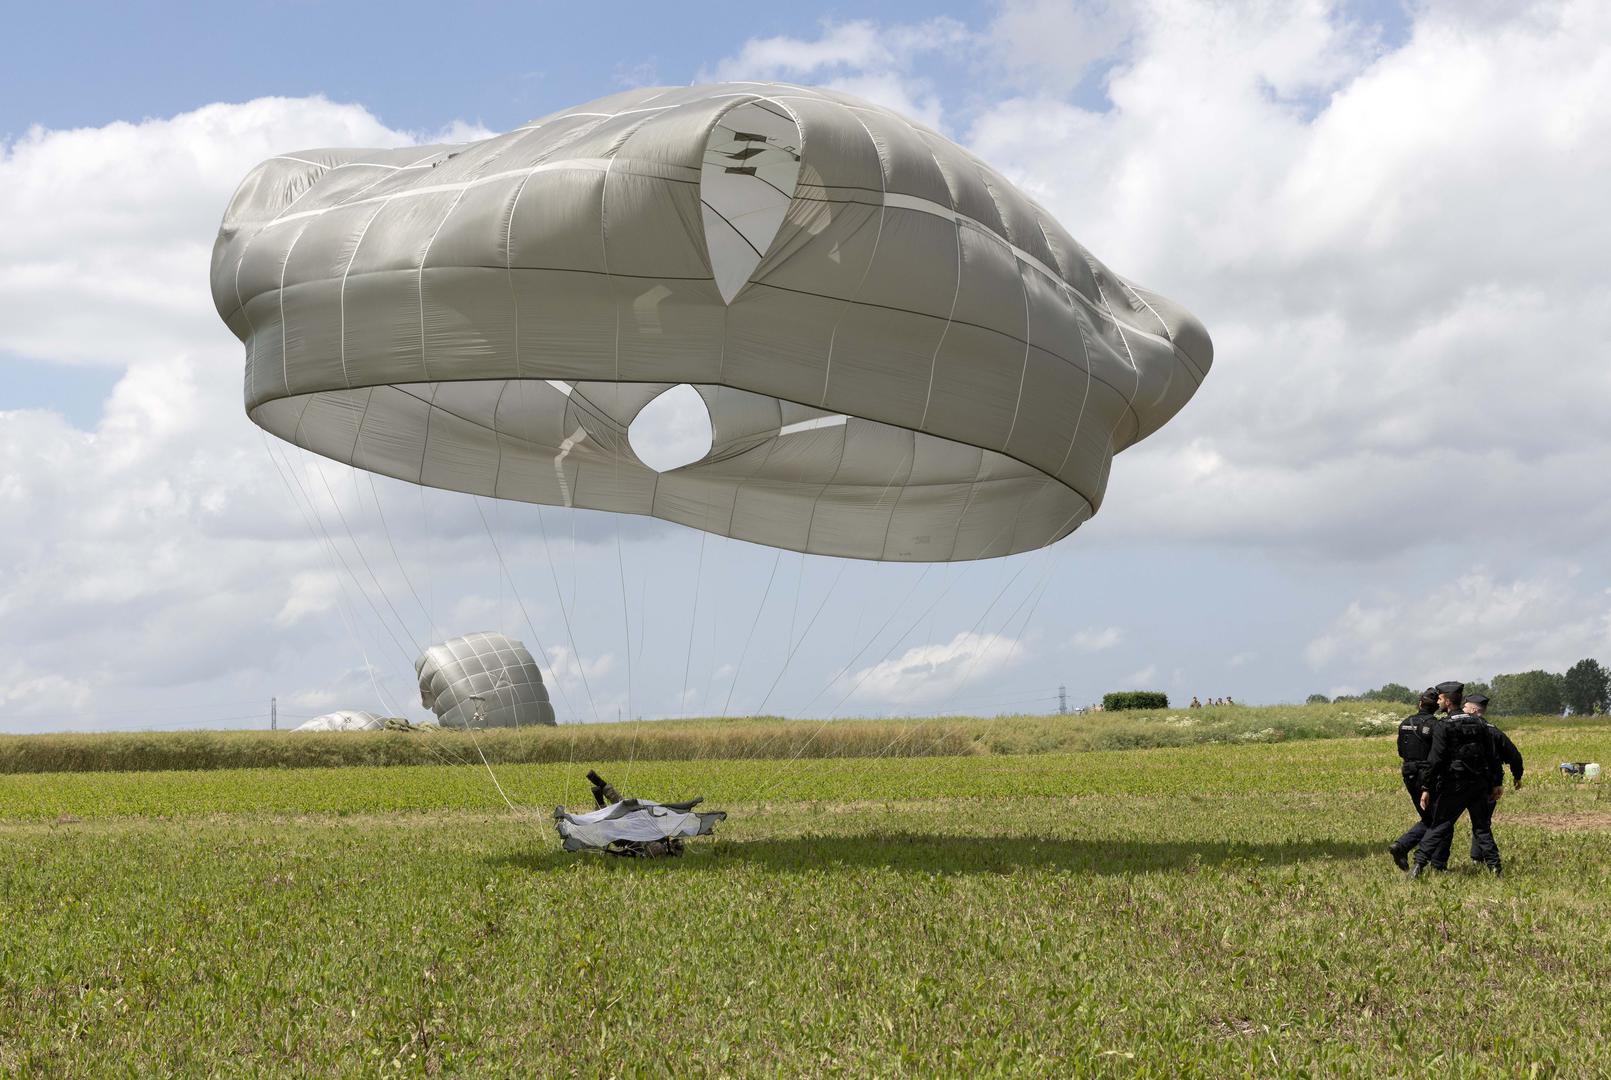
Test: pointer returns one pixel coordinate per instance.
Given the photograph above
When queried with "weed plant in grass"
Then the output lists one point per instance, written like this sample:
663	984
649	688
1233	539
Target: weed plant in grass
1204	911
696	740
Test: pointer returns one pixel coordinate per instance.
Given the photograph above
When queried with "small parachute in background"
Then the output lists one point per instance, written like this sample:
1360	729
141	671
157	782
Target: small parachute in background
899	355
485	670
344	720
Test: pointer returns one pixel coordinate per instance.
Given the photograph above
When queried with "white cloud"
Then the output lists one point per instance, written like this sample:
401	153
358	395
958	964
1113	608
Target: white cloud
1138	680
1379	242
926	674
872	61
1473	627
1094	640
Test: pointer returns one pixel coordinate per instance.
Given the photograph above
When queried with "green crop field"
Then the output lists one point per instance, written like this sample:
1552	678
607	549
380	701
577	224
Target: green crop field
1202	910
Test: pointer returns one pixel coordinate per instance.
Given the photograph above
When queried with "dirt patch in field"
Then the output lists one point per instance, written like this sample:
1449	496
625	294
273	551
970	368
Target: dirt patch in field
1580	821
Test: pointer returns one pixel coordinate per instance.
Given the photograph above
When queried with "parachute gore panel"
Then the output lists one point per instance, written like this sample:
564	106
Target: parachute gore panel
903	357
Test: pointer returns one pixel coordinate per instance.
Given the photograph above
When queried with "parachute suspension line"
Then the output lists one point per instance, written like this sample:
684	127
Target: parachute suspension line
576	655
387	532
693	622
761	708
1040	592
430	555
362	558
443	755
875	636
330	541
1037	592
716	628
754	625
626	632
626	624
348	621
497	551
794	612
779	774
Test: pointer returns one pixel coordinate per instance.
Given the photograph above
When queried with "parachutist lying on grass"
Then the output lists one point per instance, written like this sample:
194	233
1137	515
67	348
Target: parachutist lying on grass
632	827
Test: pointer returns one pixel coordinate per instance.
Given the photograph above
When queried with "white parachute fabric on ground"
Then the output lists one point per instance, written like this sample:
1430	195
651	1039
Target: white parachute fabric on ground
903	357
343	720
633	821
492	667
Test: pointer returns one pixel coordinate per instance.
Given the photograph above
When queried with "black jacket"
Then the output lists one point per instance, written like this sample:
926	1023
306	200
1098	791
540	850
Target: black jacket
1507	753
1464	751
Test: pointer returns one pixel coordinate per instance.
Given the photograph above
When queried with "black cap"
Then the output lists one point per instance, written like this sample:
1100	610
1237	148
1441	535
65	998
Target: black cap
1479	699
1453	689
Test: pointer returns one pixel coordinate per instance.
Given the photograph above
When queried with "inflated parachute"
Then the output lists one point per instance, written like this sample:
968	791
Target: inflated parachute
901	356
487	672
343	720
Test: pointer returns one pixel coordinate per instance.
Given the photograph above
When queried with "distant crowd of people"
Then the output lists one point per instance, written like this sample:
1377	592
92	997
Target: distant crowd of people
1453	764
1226	700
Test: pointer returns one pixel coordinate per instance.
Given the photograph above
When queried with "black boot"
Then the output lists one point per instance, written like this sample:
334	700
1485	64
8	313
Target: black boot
1401	858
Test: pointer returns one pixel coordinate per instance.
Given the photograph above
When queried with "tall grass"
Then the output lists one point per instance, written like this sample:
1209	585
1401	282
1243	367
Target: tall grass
689	740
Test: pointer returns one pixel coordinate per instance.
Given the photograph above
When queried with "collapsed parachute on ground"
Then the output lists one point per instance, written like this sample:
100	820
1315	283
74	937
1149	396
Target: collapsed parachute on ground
496	669
343	720
901	356
633	827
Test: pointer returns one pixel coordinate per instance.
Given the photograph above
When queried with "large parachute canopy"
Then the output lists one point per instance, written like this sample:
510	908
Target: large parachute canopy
897	354
485	671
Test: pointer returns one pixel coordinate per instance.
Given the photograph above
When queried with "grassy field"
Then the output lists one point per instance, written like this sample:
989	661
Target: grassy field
1204	910
700	739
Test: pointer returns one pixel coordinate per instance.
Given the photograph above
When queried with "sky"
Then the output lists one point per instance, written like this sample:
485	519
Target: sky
1391	218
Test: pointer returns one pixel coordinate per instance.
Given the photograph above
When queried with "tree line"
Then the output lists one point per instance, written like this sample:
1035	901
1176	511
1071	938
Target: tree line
1583	690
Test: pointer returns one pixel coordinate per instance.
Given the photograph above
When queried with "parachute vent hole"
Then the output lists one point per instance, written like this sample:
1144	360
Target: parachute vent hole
673	430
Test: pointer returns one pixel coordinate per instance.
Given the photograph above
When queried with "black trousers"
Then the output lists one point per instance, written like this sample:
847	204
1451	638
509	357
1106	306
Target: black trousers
1412	784
1448	804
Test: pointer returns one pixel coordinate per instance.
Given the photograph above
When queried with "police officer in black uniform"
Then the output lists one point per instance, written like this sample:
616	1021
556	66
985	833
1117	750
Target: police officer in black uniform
1462	776
1477	705
1414	745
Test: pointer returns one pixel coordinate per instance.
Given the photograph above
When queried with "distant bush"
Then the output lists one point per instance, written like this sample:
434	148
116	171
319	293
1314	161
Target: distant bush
1134	699
1317	699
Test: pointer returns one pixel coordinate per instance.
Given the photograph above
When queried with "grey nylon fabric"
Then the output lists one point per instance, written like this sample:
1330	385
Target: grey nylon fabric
497	669
343	720
632	819
903	357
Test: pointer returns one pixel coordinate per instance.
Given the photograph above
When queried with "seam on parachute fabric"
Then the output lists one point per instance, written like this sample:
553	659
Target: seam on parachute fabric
872	257
1022	258
1023	374
894	507
956	294
967	503
285	362
957	322
1112	451
430	411
341	296
251	327
509	271
358	435
497	437
1073	439
425	255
